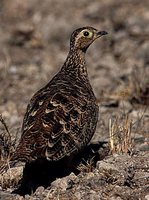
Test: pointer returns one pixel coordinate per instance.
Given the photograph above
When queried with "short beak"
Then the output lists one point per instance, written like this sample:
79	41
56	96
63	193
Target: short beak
101	33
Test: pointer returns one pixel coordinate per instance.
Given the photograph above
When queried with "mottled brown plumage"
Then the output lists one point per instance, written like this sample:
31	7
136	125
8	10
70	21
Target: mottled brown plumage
61	117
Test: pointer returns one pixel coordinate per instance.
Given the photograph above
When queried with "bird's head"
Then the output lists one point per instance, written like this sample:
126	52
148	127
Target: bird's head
83	37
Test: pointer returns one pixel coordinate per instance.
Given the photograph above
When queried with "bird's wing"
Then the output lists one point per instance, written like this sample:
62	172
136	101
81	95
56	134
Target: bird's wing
54	125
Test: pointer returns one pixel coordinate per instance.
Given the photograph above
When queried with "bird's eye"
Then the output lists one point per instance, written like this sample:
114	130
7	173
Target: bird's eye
87	34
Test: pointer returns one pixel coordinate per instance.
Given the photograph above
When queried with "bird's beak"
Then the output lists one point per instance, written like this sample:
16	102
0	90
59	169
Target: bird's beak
101	33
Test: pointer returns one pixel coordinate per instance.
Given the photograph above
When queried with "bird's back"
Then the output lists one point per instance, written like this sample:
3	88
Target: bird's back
60	119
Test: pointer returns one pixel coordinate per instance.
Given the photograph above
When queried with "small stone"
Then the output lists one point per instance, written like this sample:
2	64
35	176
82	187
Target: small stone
144	147
13	69
111	172
102	166
125	105
60	183
147	197
64	183
39	190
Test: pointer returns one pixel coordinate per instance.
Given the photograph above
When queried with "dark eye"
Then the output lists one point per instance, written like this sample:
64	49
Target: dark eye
86	33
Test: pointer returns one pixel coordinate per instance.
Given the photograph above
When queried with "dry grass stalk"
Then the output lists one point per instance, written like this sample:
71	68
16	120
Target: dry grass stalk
86	166
120	135
7	146
5	141
135	89
139	84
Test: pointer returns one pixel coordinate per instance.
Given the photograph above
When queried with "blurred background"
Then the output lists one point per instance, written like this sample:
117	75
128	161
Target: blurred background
34	43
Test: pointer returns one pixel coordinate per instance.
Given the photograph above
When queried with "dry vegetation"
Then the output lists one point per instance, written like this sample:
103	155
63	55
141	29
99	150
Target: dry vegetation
120	131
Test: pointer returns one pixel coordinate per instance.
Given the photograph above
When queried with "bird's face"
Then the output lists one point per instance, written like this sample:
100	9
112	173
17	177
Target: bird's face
83	37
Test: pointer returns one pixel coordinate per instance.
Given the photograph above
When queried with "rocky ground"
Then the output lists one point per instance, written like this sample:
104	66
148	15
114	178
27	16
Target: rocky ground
34	41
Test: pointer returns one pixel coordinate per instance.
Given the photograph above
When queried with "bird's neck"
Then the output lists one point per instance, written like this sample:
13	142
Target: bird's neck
75	63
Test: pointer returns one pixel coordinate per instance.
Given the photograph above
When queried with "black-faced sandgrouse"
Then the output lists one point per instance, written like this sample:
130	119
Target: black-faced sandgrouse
61	117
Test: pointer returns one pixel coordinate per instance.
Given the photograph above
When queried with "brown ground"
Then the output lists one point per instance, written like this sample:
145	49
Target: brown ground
34	41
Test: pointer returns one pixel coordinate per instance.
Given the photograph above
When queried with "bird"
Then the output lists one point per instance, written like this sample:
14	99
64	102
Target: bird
61	117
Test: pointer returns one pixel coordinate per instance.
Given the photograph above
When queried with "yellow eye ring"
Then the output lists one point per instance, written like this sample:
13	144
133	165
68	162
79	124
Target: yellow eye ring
87	34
